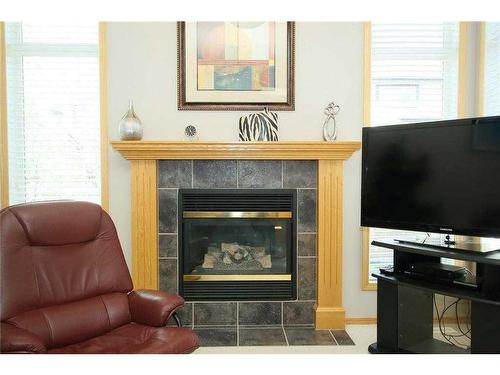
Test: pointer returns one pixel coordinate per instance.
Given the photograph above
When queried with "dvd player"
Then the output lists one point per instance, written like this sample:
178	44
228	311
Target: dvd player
438	270
442	273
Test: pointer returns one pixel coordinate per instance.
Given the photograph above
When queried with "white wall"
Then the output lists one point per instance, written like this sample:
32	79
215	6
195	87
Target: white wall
329	66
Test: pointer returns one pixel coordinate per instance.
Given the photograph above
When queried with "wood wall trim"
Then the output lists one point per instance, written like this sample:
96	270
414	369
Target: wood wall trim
157	150
366	285
367	72
103	108
144	224
361	321
4	141
373	320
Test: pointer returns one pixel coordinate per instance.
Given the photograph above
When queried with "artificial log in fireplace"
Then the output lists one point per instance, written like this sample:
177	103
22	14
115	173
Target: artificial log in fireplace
237	244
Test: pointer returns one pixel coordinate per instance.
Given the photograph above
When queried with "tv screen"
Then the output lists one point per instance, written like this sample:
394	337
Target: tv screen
433	177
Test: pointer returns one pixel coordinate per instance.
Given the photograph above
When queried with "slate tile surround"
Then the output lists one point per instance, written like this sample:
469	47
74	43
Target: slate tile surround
167	207
213	174
265	174
175	173
306	244
215	314
298	313
259	313
307	281
168	274
167	245
306	210
300	175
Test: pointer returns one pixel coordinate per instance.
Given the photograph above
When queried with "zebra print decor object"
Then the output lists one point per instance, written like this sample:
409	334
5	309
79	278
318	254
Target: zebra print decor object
260	126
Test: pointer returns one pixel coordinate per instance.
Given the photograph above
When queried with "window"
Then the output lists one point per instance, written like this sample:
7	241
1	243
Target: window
491	87
491	81
413	78
53	111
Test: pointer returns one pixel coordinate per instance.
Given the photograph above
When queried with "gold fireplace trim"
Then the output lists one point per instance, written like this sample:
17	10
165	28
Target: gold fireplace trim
237	214
285	277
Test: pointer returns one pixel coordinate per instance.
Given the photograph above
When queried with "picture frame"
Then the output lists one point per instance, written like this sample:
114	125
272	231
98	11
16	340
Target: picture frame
237	74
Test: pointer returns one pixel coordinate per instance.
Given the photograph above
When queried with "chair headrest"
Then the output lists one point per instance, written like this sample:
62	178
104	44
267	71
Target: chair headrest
55	223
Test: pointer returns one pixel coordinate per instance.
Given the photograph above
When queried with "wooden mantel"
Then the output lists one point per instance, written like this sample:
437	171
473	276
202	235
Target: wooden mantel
143	155
303	150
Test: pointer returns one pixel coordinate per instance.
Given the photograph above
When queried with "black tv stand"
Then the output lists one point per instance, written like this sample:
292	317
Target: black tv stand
463	245
405	304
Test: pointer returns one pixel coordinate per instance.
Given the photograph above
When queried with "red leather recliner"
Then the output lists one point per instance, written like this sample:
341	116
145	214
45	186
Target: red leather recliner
65	287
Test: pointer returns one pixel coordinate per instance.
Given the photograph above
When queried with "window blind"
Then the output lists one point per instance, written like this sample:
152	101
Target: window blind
53	111
414	78
491	90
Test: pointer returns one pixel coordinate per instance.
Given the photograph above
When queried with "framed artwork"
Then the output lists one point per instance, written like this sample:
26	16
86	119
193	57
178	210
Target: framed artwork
235	65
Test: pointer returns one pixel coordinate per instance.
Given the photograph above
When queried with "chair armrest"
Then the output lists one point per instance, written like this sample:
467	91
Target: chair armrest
153	307
17	340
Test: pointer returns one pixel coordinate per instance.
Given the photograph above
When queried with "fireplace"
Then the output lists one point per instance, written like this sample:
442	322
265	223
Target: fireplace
237	244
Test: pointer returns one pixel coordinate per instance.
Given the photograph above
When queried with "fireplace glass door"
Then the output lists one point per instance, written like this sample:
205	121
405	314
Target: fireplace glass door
237	244
222	246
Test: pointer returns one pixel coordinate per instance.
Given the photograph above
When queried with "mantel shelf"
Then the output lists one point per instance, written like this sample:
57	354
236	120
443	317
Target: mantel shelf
286	150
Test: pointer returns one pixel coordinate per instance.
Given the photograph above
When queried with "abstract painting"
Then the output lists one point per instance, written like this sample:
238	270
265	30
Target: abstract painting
235	55
236	65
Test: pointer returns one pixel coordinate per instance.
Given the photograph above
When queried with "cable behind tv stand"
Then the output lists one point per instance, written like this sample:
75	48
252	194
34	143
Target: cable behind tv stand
405	304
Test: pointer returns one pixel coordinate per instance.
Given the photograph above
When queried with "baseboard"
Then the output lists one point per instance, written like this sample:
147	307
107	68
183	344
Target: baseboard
329	318
370	320
359	321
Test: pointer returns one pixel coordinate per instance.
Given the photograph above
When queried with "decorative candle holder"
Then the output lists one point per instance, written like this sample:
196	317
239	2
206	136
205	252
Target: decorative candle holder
130	126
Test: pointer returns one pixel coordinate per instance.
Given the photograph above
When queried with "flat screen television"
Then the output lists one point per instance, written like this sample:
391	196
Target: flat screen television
441	177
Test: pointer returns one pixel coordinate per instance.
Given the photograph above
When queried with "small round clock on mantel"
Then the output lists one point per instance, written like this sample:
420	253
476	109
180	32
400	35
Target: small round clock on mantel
191	133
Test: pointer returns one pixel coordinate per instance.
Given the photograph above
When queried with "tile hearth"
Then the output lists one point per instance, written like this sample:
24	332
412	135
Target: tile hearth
270	336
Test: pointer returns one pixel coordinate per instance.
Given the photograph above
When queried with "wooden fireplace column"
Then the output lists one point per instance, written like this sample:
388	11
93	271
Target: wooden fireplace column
144	191
329	311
